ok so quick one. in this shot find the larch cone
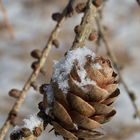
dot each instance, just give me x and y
(85, 88)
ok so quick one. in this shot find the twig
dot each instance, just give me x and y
(15, 109)
(85, 27)
(6, 20)
(115, 64)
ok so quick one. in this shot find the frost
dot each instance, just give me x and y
(16, 129)
(63, 67)
(76, 126)
(84, 79)
(47, 110)
(50, 97)
(31, 123)
(97, 66)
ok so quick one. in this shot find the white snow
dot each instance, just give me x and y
(16, 129)
(50, 95)
(64, 66)
(76, 126)
(84, 79)
(97, 66)
(47, 110)
(50, 98)
(31, 123)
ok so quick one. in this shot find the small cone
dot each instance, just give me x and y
(84, 88)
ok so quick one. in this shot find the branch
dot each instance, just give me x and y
(86, 26)
(6, 20)
(116, 66)
(15, 109)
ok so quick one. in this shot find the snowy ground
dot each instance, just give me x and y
(32, 24)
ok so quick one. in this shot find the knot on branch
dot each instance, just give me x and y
(12, 116)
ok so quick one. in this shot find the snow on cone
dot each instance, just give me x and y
(84, 88)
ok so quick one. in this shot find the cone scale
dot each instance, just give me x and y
(84, 88)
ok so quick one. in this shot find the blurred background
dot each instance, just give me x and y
(32, 24)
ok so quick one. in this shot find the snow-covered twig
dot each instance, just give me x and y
(31, 128)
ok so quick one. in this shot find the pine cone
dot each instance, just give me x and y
(85, 87)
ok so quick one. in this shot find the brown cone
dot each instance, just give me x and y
(83, 109)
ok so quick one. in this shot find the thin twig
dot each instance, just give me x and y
(116, 66)
(85, 26)
(6, 20)
(15, 109)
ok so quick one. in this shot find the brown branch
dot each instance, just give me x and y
(15, 109)
(116, 66)
(6, 20)
(86, 26)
